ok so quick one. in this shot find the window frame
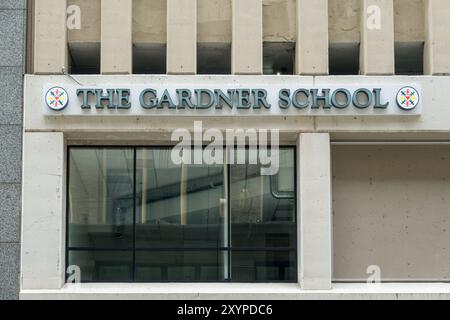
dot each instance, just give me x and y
(290, 250)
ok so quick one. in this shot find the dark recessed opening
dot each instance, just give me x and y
(344, 58)
(214, 58)
(278, 58)
(84, 58)
(409, 58)
(149, 58)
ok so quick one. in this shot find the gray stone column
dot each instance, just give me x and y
(314, 210)
(437, 36)
(116, 37)
(181, 36)
(247, 30)
(377, 37)
(311, 54)
(50, 36)
(12, 61)
(44, 211)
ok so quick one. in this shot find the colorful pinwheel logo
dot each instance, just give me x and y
(57, 98)
(408, 98)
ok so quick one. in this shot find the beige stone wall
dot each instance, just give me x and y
(149, 21)
(391, 209)
(344, 21)
(279, 21)
(214, 21)
(409, 20)
(90, 22)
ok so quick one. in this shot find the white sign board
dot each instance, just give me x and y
(231, 99)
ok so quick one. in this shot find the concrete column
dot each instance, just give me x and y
(377, 37)
(247, 34)
(437, 36)
(181, 36)
(315, 208)
(311, 53)
(116, 37)
(50, 36)
(43, 211)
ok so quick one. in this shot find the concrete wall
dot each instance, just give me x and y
(149, 21)
(391, 209)
(90, 22)
(344, 21)
(409, 20)
(12, 59)
(279, 21)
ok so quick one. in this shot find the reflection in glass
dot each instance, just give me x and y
(134, 215)
(253, 266)
(201, 265)
(105, 266)
(263, 207)
(178, 206)
(101, 198)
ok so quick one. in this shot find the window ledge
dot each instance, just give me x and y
(237, 291)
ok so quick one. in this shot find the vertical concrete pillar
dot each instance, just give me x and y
(181, 36)
(311, 53)
(437, 36)
(314, 208)
(43, 178)
(50, 36)
(377, 37)
(247, 34)
(116, 37)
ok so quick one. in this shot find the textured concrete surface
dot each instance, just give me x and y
(391, 210)
(11, 45)
(9, 271)
(12, 57)
(10, 95)
(12, 4)
(10, 212)
(10, 155)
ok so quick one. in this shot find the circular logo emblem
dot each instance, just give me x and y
(408, 98)
(57, 98)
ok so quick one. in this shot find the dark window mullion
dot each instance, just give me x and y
(134, 215)
(229, 214)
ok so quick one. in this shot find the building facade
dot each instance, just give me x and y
(13, 16)
(352, 97)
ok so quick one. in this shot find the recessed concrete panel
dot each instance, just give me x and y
(149, 58)
(89, 15)
(149, 21)
(409, 20)
(409, 58)
(278, 58)
(391, 209)
(344, 58)
(213, 58)
(84, 58)
(344, 21)
(214, 21)
(279, 20)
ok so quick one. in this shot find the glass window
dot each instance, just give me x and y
(134, 215)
